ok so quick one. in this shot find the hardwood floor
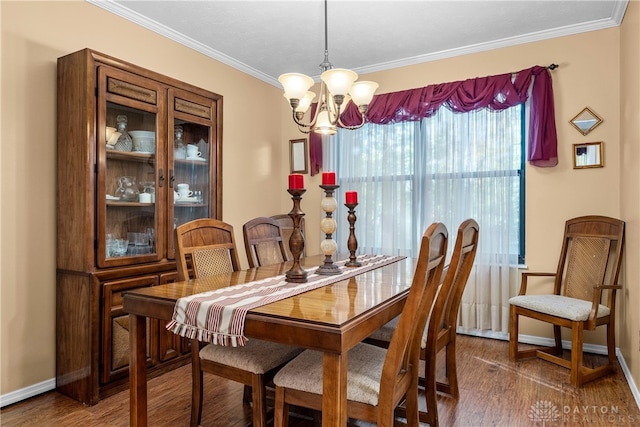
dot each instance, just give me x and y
(493, 392)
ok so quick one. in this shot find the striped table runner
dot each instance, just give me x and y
(218, 316)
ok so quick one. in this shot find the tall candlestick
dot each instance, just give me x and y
(351, 197)
(352, 242)
(296, 181)
(328, 178)
(296, 242)
(328, 225)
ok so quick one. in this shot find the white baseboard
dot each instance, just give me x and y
(547, 342)
(27, 392)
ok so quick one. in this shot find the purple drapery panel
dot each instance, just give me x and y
(315, 147)
(493, 92)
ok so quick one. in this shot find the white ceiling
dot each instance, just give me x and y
(266, 38)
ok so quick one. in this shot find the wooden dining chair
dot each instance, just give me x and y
(440, 332)
(583, 298)
(263, 242)
(286, 227)
(377, 379)
(208, 247)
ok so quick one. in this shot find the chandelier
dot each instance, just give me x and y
(338, 86)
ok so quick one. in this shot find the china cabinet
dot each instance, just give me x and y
(128, 139)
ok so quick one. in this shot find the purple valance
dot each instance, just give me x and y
(493, 92)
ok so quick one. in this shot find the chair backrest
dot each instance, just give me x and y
(286, 227)
(207, 246)
(455, 279)
(591, 256)
(400, 369)
(263, 242)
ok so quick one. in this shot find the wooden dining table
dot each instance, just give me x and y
(331, 319)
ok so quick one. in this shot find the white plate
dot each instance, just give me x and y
(196, 158)
(143, 152)
(187, 200)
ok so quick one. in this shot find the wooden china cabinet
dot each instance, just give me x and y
(117, 207)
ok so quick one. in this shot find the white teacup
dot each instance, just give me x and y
(184, 193)
(192, 151)
(182, 186)
(144, 197)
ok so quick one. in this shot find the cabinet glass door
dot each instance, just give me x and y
(128, 171)
(194, 160)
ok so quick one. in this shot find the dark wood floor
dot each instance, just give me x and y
(493, 392)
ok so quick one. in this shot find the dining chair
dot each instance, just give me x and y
(208, 247)
(583, 298)
(263, 242)
(378, 379)
(286, 226)
(440, 332)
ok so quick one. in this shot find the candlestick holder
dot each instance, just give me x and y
(328, 226)
(296, 242)
(352, 242)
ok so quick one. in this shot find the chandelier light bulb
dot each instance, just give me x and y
(339, 80)
(362, 92)
(305, 102)
(295, 85)
(323, 124)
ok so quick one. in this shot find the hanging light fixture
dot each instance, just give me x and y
(338, 86)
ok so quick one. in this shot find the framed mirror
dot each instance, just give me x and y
(298, 155)
(588, 155)
(586, 121)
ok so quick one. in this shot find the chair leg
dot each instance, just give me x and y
(411, 406)
(246, 395)
(281, 409)
(450, 366)
(259, 401)
(557, 335)
(577, 371)
(513, 334)
(196, 384)
(431, 415)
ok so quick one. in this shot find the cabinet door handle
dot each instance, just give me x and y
(171, 178)
(161, 177)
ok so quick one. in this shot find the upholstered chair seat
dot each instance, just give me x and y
(256, 356)
(559, 306)
(363, 373)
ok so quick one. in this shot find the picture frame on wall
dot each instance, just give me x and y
(588, 155)
(299, 155)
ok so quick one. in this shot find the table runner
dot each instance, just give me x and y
(218, 316)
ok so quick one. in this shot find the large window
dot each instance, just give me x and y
(446, 168)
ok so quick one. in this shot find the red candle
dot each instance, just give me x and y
(328, 178)
(296, 181)
(352, 197)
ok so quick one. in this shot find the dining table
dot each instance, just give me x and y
(331, 319)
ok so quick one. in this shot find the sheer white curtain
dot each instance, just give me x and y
(446, 168)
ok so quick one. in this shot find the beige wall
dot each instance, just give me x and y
(630, 183)
(256, 152)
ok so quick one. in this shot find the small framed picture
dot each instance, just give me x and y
(588, 155)
(298, 155)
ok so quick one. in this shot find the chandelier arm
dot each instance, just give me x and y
(342, 125)
(309, 125)
(306, 130)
